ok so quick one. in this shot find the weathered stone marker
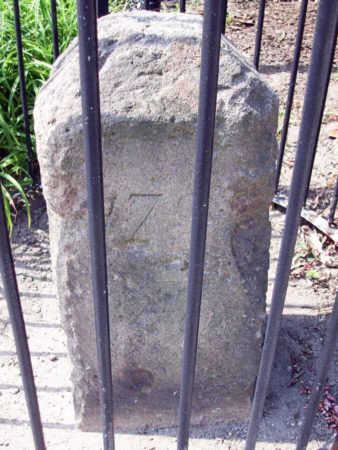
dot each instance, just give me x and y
(149, 75)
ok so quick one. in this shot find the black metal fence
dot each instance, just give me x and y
(323, 49)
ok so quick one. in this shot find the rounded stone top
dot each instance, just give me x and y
(149, 66)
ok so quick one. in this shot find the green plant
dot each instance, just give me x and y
(119, 5)
(230, 19)
(37, 44)
(312, 274)
(35, 18)
(11, 187)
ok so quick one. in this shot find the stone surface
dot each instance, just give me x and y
(149, 74)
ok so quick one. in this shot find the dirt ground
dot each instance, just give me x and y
(309, 300)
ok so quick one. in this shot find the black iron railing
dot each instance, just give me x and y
(215, 12)
(23, 90)
(211, 41)
(86, 13)
(315, 92)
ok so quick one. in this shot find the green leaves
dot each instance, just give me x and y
(7, 184)
(37, 45)
(312, 274)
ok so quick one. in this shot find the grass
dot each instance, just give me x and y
(37, 43)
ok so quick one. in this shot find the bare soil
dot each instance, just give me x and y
(309, 299)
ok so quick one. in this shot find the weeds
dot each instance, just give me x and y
(37, 44)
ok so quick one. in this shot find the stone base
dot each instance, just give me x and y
(137, 413)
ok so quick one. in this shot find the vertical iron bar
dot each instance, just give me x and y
(259, 33)
(320, 119)
(146, 5)
(153, 5)
(224, 15)
(203, 163)
(315, 91)
(23, 90)
(334, 203)
(292, 85)
(11, 294)
(327, 354)
(102, 7)
(88, 48)
(55, 32)
(182, 6)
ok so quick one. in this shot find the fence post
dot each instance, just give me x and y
(152, 5)
(102, 7)
(259, 33)
(320, 119)
(23, 91)
(334, 203)
(55, 32)
(204, 143)
(11, 294)
(292, 86)
(182, 6)
(327, 354)
(315, 92)
(224, 15)
(88, 48)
